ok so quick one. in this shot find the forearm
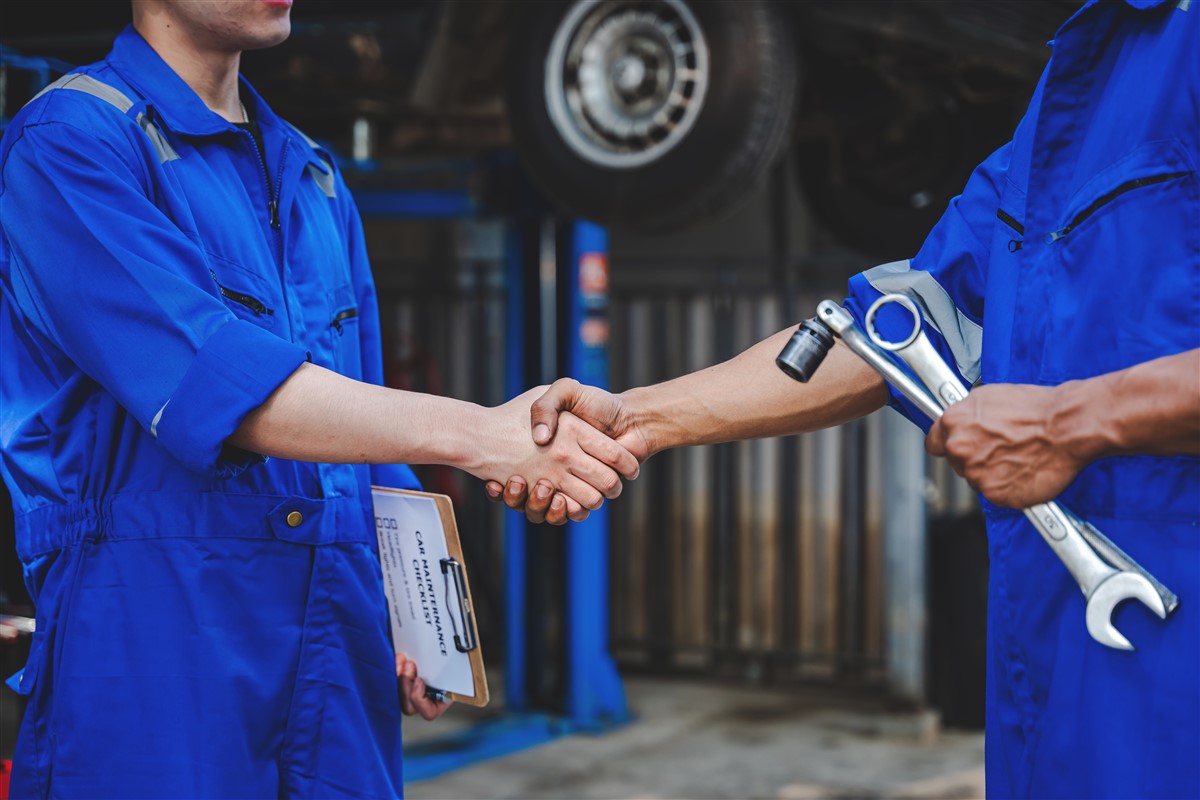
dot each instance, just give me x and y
(1151, 408)
(749, 397)
(319, 415)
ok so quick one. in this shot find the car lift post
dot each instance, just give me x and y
(541, 317)
(595, 697)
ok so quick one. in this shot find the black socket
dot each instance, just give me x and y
(806, 350)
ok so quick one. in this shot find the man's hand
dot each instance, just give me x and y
(412, 691)
(1006, 440)
(560, 405)
(579, 464)
(602, 410)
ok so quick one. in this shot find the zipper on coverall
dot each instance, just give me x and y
(1104, 200)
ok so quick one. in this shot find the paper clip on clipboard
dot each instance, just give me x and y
(452, 572)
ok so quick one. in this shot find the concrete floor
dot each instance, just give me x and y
(707, 740)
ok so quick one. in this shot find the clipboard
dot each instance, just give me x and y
(428, 596)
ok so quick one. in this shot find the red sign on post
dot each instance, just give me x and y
(593, 274)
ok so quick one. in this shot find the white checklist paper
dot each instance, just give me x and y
(422, 604)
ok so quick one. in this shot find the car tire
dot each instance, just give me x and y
(893, 154)
(579, 113)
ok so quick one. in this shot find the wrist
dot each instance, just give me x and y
(463, 437)
(1081, 422)
(658, 430)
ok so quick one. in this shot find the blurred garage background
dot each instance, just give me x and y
(625, 191)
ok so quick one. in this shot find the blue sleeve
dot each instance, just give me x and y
(946, 279)
(396, 476)
(129, 299)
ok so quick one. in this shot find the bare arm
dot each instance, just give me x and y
(743, 398)
(319, 415)
(1021, 445)
(1151, 408)
(747, 397)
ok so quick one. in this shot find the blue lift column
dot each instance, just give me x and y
(595, 698)
(557, 324)
(514, 523)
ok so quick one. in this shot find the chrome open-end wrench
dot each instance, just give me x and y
(800, 361)
(1103, 584)
(839, 321)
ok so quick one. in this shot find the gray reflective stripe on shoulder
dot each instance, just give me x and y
(161, 146)
(157, 417)
(324, 179)
(114, 97)
(962, 334)
(89, 85)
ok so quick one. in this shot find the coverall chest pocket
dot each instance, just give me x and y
(248, 295)
(1125, 262)
(344, 332)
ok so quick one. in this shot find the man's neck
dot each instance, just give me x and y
(212, 74)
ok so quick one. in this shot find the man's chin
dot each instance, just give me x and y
(261, 41)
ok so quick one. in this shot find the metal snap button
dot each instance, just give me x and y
(294, 519)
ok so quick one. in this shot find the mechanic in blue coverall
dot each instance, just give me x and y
(185, 293)
(1066, 280)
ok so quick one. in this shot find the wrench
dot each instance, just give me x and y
(1103, 585)
(839, 321)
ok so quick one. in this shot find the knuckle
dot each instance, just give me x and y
(957, 448)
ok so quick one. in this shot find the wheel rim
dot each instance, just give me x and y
(625, 80)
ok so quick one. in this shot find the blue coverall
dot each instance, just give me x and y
(1074, 251)
(210, 623)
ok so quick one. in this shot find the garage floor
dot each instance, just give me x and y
(707, 740)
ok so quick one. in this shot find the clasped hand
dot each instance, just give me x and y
(1001, 440)
(573, 471)
(576, 411)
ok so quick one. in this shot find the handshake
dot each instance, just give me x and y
(573, 445)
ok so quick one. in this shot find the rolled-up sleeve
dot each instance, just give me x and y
(946, 280)
(129, 298)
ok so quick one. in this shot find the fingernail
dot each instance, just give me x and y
(543, 491)
(541, 434)
(516, 486)
(558, 503)
(410, 670)
(491, 491)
